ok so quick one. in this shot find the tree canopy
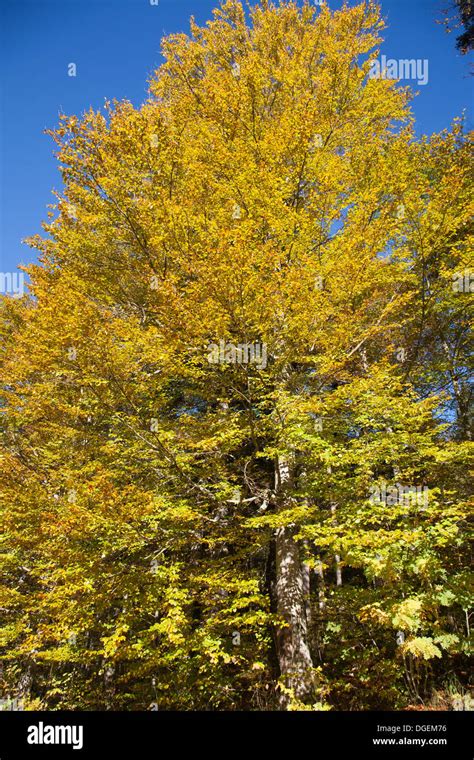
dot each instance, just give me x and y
(235, 404)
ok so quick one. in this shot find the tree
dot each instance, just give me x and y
(464, 16)
(228, 480)
(465, 41)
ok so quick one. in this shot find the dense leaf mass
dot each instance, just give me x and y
(235, 404)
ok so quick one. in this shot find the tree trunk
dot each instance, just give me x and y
(294, 656)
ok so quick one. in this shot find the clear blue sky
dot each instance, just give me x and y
(115, 45)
